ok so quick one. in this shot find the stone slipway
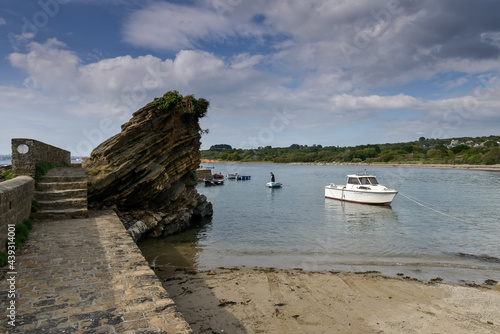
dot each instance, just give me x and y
(87, 276)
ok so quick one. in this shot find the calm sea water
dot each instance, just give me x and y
(444, 223)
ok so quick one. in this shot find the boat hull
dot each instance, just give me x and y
(213, 182)
(383, 197)
(273, 185)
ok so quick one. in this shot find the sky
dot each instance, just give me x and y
(276, 72)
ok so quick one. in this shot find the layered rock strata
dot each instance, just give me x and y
(147, 172)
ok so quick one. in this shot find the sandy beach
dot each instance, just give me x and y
(246, 300)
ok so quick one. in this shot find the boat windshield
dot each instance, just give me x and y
(353, 180)
(373, 180)
(364, 180)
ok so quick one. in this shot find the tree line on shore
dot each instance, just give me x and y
(465, 150)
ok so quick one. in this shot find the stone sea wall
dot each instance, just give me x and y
(26, 153)
(15, 203)
(203, 173)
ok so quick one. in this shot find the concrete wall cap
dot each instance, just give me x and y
(8, 185)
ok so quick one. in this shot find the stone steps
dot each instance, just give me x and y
(63, 204)
(54, 195)
(62, 214)
(64, 178)
(44, 186)
(62, 194)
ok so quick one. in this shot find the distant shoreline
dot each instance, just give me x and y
(434, 166)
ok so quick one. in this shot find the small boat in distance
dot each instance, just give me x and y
(273, 185)
(217, 180)
(243, 177)
(231, 176)
(361, 188)
(213, 182)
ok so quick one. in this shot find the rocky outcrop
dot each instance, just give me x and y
(147, 172)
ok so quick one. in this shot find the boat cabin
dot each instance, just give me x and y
(367, 180)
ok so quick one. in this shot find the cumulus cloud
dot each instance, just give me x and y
(381, 42)
(57, 71)
(174, 27)
(369, 43)
(116, 87)
(50, 66)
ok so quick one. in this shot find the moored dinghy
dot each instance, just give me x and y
(361, 188)
(273, 185)
(217, 180)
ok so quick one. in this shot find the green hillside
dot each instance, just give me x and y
(465, 150)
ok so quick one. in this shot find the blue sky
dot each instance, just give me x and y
(275, 72)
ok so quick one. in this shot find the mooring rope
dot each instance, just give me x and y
(428, 207)
(418, 200)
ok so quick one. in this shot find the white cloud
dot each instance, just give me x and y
(50, 66)
(116, 87)
(390, 42)
(450, 84)
(491, 37)
(2, 21)
(245, 60)
(174, 27)
(346, 102)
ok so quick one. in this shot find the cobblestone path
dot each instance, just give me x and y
(86, 276)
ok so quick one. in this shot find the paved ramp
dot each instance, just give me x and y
(86, 276)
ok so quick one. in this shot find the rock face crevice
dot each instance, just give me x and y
(147, 171)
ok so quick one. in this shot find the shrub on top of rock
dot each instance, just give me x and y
(168, 101)
(189, 104)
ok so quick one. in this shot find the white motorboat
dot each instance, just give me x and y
(361, 188)
(273, 185)
(231, 176)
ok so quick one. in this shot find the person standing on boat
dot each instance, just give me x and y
(272, 177)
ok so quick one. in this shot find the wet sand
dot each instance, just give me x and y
(246, 300)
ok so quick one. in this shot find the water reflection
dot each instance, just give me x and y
(271, 192)
(360, 218)
(175, 251)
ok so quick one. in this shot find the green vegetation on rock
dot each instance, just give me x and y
(7, 175)
(34, 206)
(189, 104)
(22, 232)
(168, 101)
(197, 107)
